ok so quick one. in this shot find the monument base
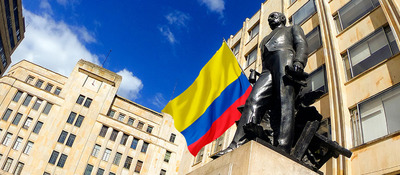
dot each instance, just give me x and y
(253, 158)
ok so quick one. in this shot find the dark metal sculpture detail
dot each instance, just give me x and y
(274, 110)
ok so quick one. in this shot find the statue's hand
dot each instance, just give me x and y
(298, 67)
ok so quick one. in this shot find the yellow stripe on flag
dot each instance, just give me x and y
(216, 75)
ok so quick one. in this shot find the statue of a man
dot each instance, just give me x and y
(284, 48)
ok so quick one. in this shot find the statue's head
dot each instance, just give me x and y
(276, 19)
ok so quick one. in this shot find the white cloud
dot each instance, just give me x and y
(52, 44)
(45, 5)
(176, 21)
(214, 5)
(159, 100)
(58, 47)
(84, 34)
(166, 31)
(177, 18)
(130, 85)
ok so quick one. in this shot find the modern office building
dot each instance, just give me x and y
(12, 29)
(354, 58)
(53, 124)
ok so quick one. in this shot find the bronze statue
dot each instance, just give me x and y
(283, 50)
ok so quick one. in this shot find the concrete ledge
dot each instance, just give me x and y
(253, 158)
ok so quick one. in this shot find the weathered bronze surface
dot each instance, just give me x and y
(274, 110)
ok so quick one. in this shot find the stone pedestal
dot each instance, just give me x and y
(253, 158)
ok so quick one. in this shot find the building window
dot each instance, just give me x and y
(124, 139)
(70, 140)
(17, 118)
(19, 168)
(251, 57)
(53, 157)
(377, 116)
(314, 40)
(48, 87)
(316, 81)
(144, 147)
(37, 104)
(39, 83)
(111, 113)
(167, 156)
(130, 121)
(353, 11)
(37, 128)
(172, 137)
(47, 108)
(27, 123)
(199, 156)
(96, 150)
(17, 96)
(17, 143)
(236, 49)
(88, 169)
(80, 99)
(7, 114)
(219, 143)
(117, 158)
(370, 51)
(62, 160)
(29, 79)
(28, 147)
(254, 31)
(7, 164)
(100, 171)
(57, 91)
(163, 172)
(27, 100)
(106, 155)
(149, 129)
(71, 118)
(140, 125)
(138, 167)
(7, 139)
(79, 121)
(114, 135)
(128, 162)
(304, 13)
(103, 131)
(62, 137)
(121, 117)
(111, 173)
(46, 173)
(134, 143)
(88, 102)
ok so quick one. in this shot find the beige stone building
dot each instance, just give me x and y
(354, 58)
(12, 29)
(52, 124)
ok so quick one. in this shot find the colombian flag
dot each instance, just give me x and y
(205, 110)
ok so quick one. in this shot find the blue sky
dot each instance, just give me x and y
(157, 46)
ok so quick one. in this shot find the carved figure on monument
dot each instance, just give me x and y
(272, 106)
(284, 48)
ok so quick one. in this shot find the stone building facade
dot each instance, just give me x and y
(53, 124)
(12, 29)
(354, 58)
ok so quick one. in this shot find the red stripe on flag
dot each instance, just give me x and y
(225, 121)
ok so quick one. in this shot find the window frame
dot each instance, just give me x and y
(37, 127)
(17, 96)
(292, 19)
(347, 57)
(53, 157)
